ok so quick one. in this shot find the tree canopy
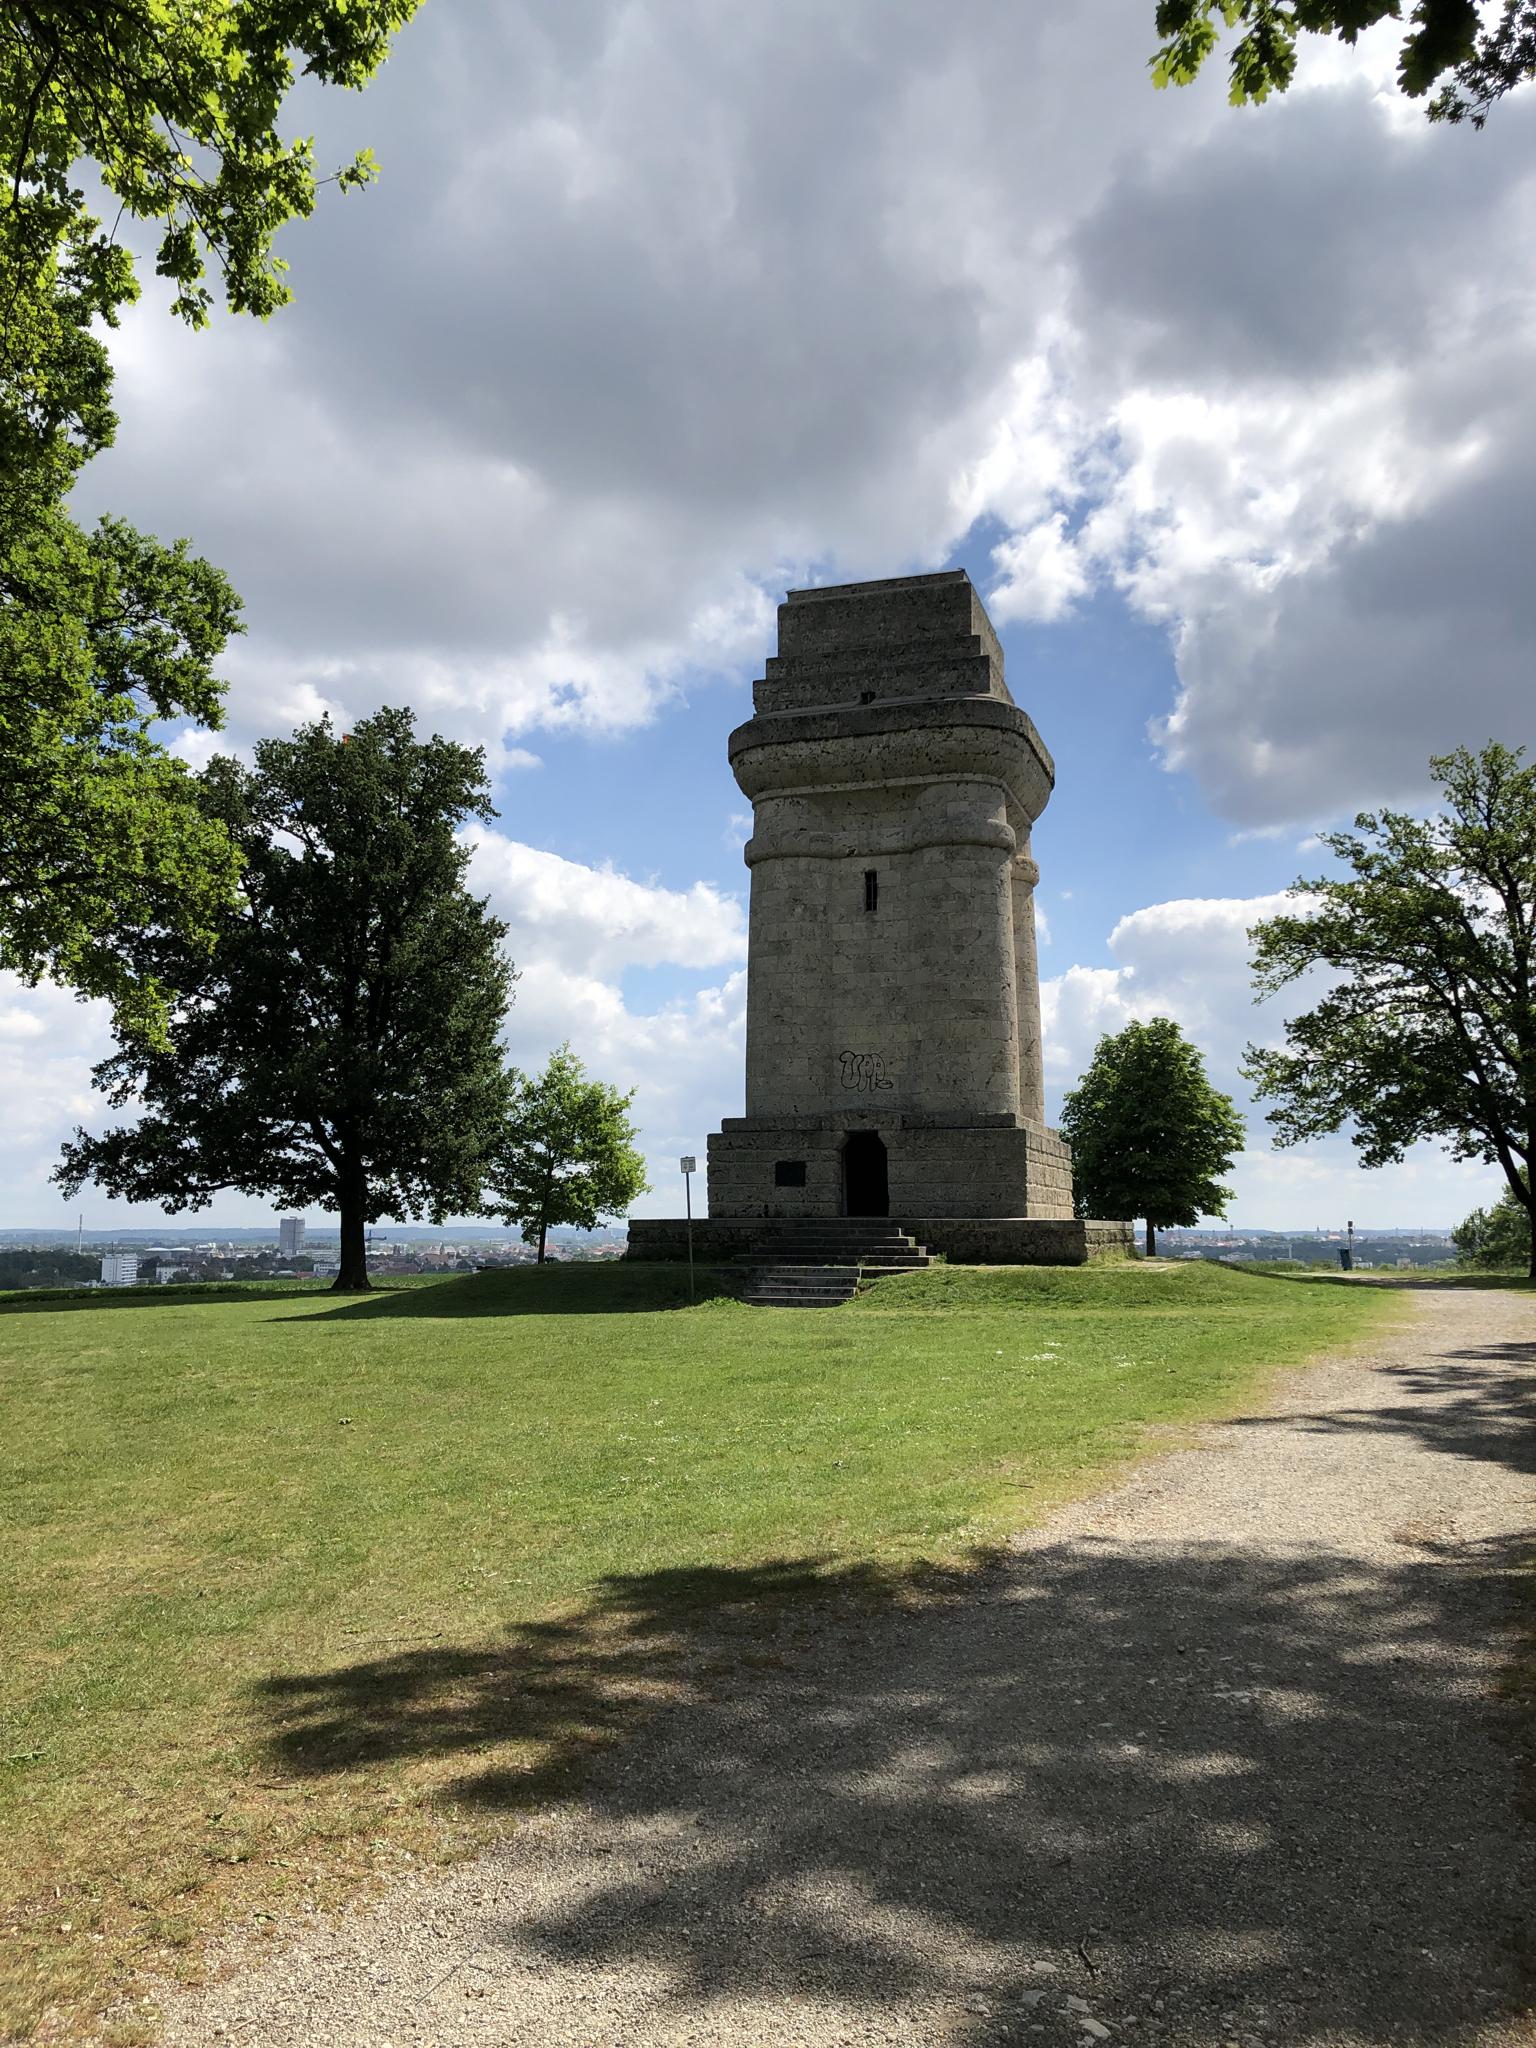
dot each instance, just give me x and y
(1149, 1134)
(1445, 44)
(101, 832)
(1428, 1025)
(565, 1154)
(340, 1045)
(174, 105)
(1498, 1238)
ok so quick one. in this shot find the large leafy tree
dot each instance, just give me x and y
(1446, 43)
(566, 1153)
(1428, 1029)
(174, 105)
(340, 1045)
(1149, 1134)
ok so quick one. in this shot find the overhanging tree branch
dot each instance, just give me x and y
(1417, 905)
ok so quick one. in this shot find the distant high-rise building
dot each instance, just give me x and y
(119, 1269)
(290, 1236)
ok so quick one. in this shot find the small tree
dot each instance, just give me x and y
(566, 1153)
(1429, 1027)
(340, 1045)
(1497, 1238)
(1149, 1134)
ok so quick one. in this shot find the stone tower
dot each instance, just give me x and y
(893, 1002)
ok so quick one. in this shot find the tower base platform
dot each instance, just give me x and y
(966, 1240)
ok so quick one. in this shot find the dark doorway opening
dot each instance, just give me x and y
(866, 1191)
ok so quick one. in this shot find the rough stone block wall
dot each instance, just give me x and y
(912, 1001)
(666, 1237)
(1022, 1240)
(979, 1171)
(998, 1169)
(741, 1161)
(886, 627)
(1050, 1173)
(965, 1240)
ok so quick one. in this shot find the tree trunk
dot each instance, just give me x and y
(1151, 1239)
(543, 1233)
(353, 1276)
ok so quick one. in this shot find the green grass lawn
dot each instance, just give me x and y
(1396, 1276)
(296, 1585)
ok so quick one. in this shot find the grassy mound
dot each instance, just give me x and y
(299, 1583)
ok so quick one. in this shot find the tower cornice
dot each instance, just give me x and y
(921, 739)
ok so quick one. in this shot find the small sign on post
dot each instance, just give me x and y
(690, 1167)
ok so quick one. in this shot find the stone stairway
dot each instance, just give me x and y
(818, 1262)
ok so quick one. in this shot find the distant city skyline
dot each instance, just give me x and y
(321, 1229)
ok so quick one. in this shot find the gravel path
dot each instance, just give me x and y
(1211, 1758)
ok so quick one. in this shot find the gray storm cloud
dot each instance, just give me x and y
(663, 306)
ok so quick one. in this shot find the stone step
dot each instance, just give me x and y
(863, 1224)
(912, 1256)
(812, 1268)
(847, 1226)
(833, 1290)
(782, 1283)
(781, 1298)
(855, 1248)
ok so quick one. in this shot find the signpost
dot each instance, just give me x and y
(690, 1167)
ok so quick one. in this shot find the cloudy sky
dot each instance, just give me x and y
(662, 307)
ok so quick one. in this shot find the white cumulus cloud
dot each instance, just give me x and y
(573, 932)
(565, 911)
(1189, 959)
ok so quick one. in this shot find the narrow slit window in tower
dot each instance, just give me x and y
(871, 889)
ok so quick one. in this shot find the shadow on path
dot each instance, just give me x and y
(1264, 1789)
(1477, 1403)
(1233, 1790)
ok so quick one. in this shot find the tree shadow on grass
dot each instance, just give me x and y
(577, 1288)
(1410, 1283)
(580, 1288)
(1255, 1785)
(209, 1294)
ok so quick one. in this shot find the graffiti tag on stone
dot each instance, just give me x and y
(865, 1070)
